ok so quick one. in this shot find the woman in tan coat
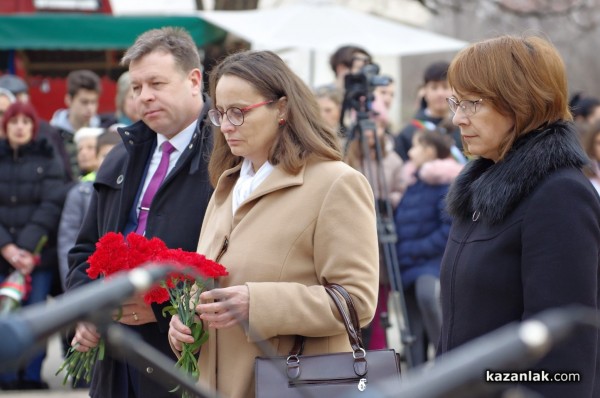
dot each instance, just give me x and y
(287, 217)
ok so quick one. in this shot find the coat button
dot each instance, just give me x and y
(130, 142)
(149, 369)
(126, 133)
(13, 199)
(120, 179)
(40, 170)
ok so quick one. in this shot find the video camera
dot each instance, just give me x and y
(363, 83)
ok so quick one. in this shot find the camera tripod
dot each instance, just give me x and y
(386, 230)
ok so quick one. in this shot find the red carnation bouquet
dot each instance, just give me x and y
(182, 288)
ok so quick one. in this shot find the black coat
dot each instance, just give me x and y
(525, 238)
(176, 217)
(31, 198)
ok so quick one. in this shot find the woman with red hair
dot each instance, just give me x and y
(31, 177)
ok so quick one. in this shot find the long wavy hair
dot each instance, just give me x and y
(304, 133)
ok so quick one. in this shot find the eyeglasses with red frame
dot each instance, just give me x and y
(234, 114)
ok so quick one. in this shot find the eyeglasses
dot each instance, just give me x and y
(468, 107)
(234, 115)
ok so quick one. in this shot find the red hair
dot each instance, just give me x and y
(21, 108)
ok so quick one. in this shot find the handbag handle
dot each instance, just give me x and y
(351, 323)
(350, 304)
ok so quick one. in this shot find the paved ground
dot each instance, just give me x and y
(51, 364)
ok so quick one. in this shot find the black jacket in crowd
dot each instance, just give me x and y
(175, 217)
(525, 238)
(31, 199)
(403, 140)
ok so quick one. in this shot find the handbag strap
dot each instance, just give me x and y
(350, 304)
(350, 319)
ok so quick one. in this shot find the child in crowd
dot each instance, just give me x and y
(422, 226)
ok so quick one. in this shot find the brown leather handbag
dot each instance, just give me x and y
(327, 375)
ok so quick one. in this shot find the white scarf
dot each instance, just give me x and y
(248, 182)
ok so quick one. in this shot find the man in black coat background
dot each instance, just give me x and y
(164, 65)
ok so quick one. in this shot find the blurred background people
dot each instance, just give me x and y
(16, 86)
(19, 88)
(348, 59)
(6, 99)
(330, 100)
(125, 113)
(434, 111)
(386, 93)
(585, 110)
(525, 233)
(591, 145)
(93, 144)
(384, 172)
(422, 226)
(78, 197)
(87, 155)
(31, 177)
(81, 99)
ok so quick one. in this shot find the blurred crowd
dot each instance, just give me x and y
(47, 169)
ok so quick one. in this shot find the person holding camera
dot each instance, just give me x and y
(349, 59)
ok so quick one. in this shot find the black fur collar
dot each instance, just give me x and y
(495, 189)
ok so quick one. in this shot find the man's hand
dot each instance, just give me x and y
(86, 337)
(136, 312)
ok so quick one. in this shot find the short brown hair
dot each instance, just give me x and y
(304, 132)
(344, 56)
(82, 79)
(521, 77)
(175, 41)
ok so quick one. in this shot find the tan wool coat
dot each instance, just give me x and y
(292, 235)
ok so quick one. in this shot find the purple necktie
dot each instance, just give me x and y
(157, 179)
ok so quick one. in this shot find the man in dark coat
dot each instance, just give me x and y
(167, 86)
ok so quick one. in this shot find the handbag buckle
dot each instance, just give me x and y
(293, 366)
(356, 354)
